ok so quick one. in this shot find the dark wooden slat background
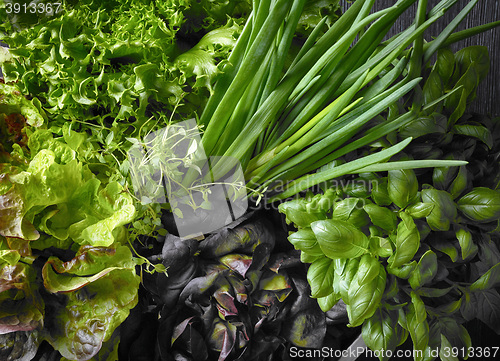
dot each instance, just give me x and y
(488, 94)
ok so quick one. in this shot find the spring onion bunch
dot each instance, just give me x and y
(284, 122)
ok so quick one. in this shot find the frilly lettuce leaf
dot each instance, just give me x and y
(12, 101)
(314, 12)
(207, 14)
(90, 61)
(200, 60)
(92, 216)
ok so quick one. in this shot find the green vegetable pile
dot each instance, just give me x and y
(396, 200)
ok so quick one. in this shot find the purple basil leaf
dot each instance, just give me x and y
(239, 263)
(198, 286)
(222, 338)
(306, 329)
(177, 252)
(242, 239)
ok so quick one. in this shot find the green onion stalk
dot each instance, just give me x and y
(284, 123)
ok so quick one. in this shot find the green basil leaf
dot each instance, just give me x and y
(445, 64)
(340, 265)
(442, 177)
(392, 288)
(477, 131)
(456, 103)
(418, 327)
(489, 252)
(305, 240)
(425, 271)
(346, 278)
(449, 308)
(402, 186)
(368, 269)
(297, 212)
(340, 239)
(380, 246)
(446, 246)
(308, 258)
(381, 217)
(445, 353)
(320, 277)
(327, 302)
(481, 205)
(456, 335)
(435, 123)
(488, 280)
(407, 242)
(460, 182)
(349, 209)
(433, 292)
(444, 211)
(380, 194)
(358, 189)
(469, 248)
(404, 271)
(420, 210)
(471, 66)
(433, 87)
(476, 56)
(380, 331)
(434, 340)
(365, 298)
(484, 305)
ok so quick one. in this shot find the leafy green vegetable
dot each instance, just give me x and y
(380, 332)
(407, 241)
(305, 240)
(425, 271)
(444, 211)
(417, 325)
(339, 239)
(402, 186)
(364, 298)
(21, 304)
(320, 276)
(481, 204)
(381, 216)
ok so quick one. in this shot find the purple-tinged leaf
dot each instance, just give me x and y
(237, 262)
(12, 221)
(306, 329)
(222, 338)
(225, 301)
(242, 239)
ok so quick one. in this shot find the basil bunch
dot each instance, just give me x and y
(414, 252)
(391, 252)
